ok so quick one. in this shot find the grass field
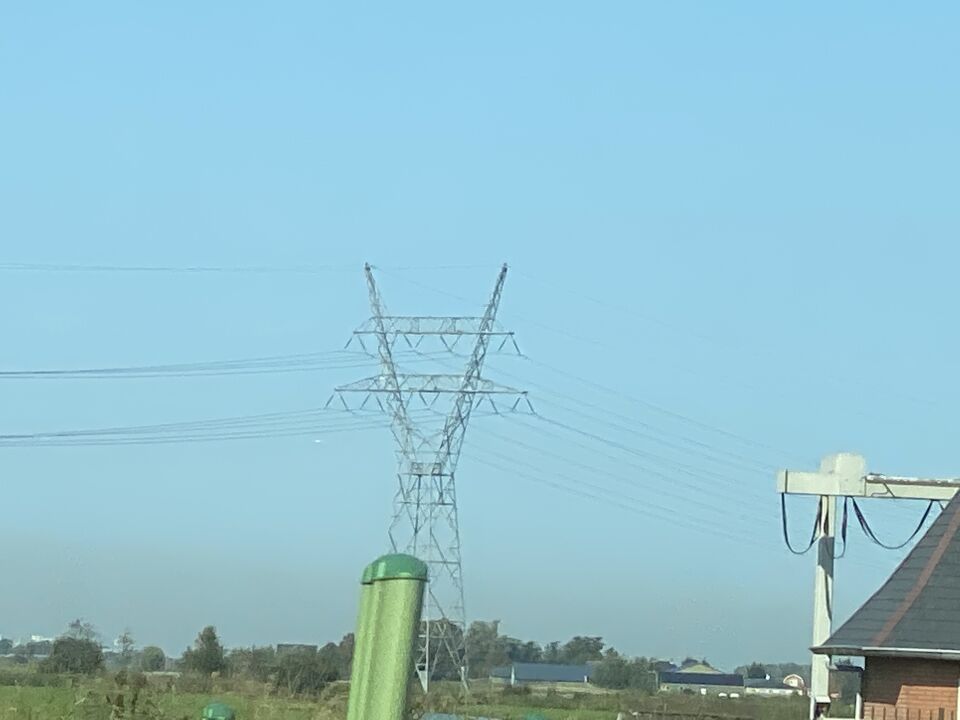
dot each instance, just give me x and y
(98, 700)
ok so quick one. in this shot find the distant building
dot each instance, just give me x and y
(542, 674)
(768, 687)
(701, 683)
(699, 668)
(796, 682)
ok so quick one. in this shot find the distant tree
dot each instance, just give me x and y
(347, 646)
(618, 673)
(582, 649)
(756, 671)
(521, 652)
(206, 656)
(258, 663)
(126, 645)
(643, 675)
(552, 653)
(331, 663)
(444, 632)
(305, 672)
(612, 672)
(152, 659)
(73, 655)
(31, 649)
(6, 646)
(483, 647)
(80, 630)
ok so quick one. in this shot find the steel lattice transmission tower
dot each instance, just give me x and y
(429, 417)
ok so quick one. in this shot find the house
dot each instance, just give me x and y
(908, 632)
(698, 667)
(701, 683)
(768, 687)
(542, 673)
(796, 682)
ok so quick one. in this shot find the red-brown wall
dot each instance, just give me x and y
(910, 689)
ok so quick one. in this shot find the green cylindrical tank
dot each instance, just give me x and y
(391, 598)
(360, 668)
(218, 711)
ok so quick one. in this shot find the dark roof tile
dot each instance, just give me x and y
(685, 678)
(918, 607)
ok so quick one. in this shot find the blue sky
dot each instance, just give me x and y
(744, 215)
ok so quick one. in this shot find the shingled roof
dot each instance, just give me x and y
(916, 612)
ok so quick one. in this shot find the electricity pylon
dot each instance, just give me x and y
(425, 522)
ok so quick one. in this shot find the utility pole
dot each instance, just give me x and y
(845, 475)
(823, 599)
(428, 443)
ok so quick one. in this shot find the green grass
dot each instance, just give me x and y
(88, 700)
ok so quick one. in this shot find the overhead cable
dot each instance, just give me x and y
(585, 489)
(280, 424)
(700, 486)
(786, 534)
(868, 531)
(300, 362)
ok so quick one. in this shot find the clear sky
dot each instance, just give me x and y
(744, 214)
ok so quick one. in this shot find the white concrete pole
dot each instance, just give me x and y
(823, 605)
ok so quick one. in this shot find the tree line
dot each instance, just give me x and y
(305, 669)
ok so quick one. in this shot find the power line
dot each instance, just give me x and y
(690, 470)
(307, 269)
(300, 362)
(184, 269)
(660, 490)
(630, 424)
(764, 354)
(626, 502)
(761, 467)
(704, 487)
(661, 410)
(617, 392)
(277, 424)
(868, 531)
(786, 532)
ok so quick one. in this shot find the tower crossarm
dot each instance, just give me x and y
(430, 325)
(427, 384)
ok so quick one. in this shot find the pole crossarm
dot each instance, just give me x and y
(849, 479)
